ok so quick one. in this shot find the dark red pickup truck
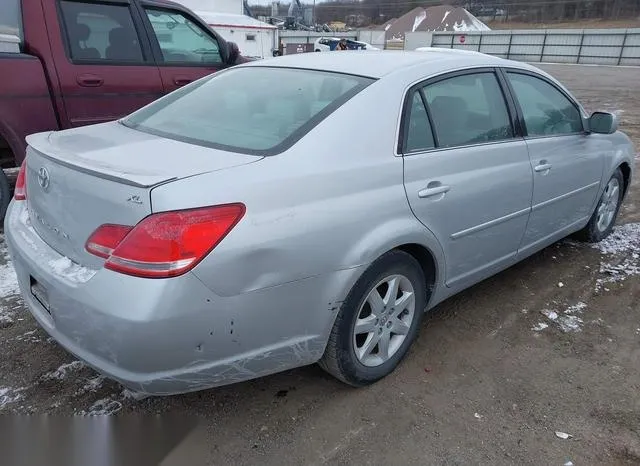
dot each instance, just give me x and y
(68, 63)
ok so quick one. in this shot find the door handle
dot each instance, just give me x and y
(181, 81)
(434, 188)
(89, 80)
(543, 166)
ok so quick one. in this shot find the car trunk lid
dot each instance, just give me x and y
(80, 179)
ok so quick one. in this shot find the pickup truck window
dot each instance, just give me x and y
(98, 31)
(10, 18)
(181, 40)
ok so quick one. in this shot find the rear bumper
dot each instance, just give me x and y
(172, 336)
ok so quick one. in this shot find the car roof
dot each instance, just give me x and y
(376, 64)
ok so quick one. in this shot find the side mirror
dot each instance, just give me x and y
(233, 52)
(603, 123)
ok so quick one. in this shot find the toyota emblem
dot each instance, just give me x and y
(43, 178)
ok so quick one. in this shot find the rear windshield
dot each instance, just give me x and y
(10, 18)
(253, 110)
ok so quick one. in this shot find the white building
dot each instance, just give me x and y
(254, 38)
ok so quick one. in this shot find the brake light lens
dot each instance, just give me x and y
(104, 240)
(165, 244)
(20, 191)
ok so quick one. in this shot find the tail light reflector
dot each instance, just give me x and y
(165, 244)
(20, 191)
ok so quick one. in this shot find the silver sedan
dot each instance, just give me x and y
(303, 209)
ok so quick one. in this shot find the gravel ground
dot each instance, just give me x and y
(499, 372)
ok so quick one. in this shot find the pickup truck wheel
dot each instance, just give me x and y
(378, 321)
(5, 194)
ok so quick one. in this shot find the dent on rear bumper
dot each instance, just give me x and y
(171, 336)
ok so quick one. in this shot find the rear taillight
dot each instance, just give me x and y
(165, 244)
(104, 240)
(20, 191)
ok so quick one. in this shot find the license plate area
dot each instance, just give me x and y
(39, 292)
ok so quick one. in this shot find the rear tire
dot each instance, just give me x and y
(604, 217)
(363, 354)
(5, 194)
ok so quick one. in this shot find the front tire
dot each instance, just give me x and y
(378, 321)
(604, 217)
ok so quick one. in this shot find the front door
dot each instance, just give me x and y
(467, 176)
(567, 163)
(103, 60)
(185, 48)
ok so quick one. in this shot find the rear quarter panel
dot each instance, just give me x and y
(334, 201)
(25, 101)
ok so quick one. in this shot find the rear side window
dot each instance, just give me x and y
(254, 110)
(468, 109)
(546, 110)
(419, 135)
(98, 31)
(10, 17)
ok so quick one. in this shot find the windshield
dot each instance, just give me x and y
(10, 18)
(253, 110)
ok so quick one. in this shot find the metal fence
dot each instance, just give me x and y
(309, 37)
(580, 46)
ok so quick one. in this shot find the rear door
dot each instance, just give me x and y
(185, 48)
(103, 59)
(467, 172)
(567, 163)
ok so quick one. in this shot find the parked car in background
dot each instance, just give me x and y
(69, 63)
(223, 233)
(326, 44)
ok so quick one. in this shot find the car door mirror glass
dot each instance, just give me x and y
(603, 123)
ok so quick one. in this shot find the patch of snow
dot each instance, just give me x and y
(579, 307)
(560, 285)
(5, 319)
(418, 20)
(622, 239)
(461, 26)
(386, 28)
(91, 385)
(132, 395)
(570, 323)
(103, 407)
(71, 271)
(549, 314)
(9, 395)
(61, 372)
(623, 242)
(29, 337)
(563, 435)
(8, 278)
(567, 322)
(477, 416)
(447, 13)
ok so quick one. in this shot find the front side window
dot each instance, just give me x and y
(10, 17)
(546, 110)
(230, 111)
(98, 31)
(181, 40)
(468, 109)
